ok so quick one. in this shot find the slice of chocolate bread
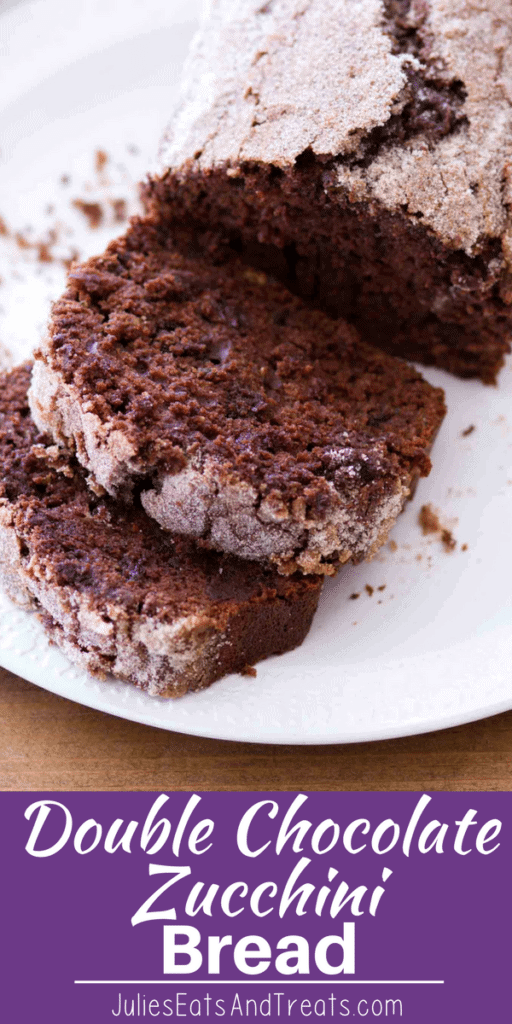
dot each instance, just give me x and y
(243, 418)
(361, 150)
(117, 593)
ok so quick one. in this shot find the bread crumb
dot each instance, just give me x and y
(369, 589)
(249, 670)
(429, 522)
(119, 210)
(92, 211)
(43, 252)
(21, 241)
(469, 430)
(448, 540)
(43, 247)
(393, 546)
(100, 159)
(354, 597)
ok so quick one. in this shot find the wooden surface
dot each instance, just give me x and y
(49, 743)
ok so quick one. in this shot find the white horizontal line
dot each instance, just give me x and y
(247, 981)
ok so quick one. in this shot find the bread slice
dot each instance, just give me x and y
(117, 593)
(363, 150)
(243, 418)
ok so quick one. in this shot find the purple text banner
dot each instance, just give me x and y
(256, 906)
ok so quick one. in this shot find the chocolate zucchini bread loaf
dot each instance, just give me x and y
(361, 151)
(242, 418)
(117, 593)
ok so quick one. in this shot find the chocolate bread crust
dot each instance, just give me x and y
(118, 594)
(243, 418)
(362, 151)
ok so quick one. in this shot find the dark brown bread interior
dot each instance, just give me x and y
(402, 287)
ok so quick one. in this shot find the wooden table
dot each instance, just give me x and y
(50, 743)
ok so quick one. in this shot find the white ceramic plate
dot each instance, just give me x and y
(433, 648)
